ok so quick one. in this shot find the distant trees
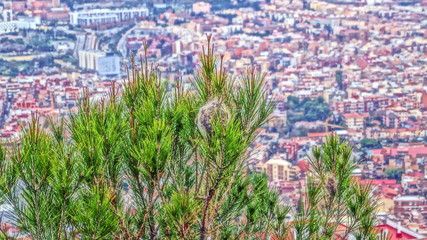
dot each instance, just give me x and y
(227, 16)
(13, 68)
(394, 173)
(8, 69)
(70, 58)
(339, 79)
(370, 143)
(307, 109)
(40, 41)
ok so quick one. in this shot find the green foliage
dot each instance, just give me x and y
(182, 152)
(14, 68)
(394, 173)
(181, 214)
(370, 143)
(95, 218)
(307, 109)
(8, 68)
(334, 198)
(339, 79)
(70, 59)
(30, 194)
(40, 41)
(3, 168)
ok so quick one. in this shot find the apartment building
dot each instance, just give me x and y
(405, 205)
(103, 16)
(279, 169)
(355, 121)
(103, 63)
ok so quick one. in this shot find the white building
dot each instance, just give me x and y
(201, 7)
(100, 16)
(109, 65)
(7, 15)
(7, 27)
(89, 59)
(21, 23)
(103, 63)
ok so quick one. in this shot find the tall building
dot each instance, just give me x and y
(406, 205)
(109, 65)
(7, 15)
(89, 59)
(278, 169)
(103, 63)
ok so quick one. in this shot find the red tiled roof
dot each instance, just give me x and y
(321, 134)
(393, 233)
(379, 181)
(354, 115)
(412, 151)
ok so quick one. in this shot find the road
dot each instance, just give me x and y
(121, 45)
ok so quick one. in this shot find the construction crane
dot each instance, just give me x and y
(327, 125)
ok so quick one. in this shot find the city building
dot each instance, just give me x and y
(405, 205)
(104, 16)
(89, 59)
(278, 169)
(201, 7)
(354, 121)
(9, 25)
(103, 63)
(109, 65)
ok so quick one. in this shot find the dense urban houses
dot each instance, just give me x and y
(355, 69)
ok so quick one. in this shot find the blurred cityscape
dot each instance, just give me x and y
(356, 68)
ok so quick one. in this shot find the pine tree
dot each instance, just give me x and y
(183, 154)
(337, 205)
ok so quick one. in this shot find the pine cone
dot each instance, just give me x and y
(213, 109)
(331, 186)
